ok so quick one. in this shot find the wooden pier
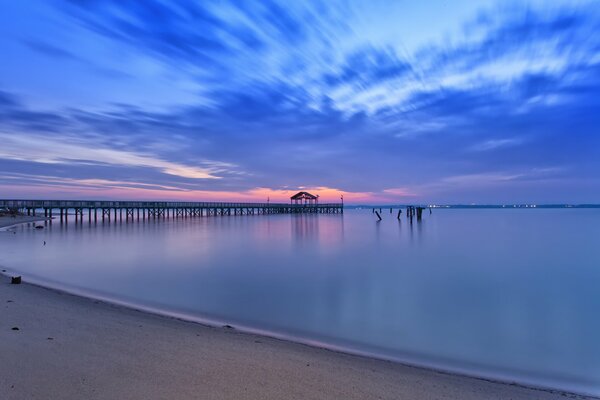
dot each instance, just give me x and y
(411, 211)
(142, 210)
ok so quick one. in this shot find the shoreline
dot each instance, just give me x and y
(294, 339)
(124, 313)
(8, 222)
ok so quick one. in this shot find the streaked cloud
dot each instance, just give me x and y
(253, 99)
(493, 144)
(45, 150)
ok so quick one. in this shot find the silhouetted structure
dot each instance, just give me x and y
(153, 209)
(304, 198)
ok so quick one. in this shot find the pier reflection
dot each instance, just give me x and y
(317, 229)
(305, 228)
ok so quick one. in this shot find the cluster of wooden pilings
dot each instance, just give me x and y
(411, 211)
(127, 210)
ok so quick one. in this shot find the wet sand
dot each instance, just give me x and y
(6, 221)
(71, 347)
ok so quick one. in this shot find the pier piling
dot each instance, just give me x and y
(113, 210)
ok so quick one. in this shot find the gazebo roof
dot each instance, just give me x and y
(303, 195)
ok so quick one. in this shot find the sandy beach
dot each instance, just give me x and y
(71, 347)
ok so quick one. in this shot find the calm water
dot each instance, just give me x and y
(512, 294)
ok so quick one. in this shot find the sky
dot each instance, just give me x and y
(379, 101)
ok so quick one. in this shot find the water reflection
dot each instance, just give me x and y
(502, 292)
(305, 227)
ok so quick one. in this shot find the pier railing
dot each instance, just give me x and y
(105, 209)
(146, 204)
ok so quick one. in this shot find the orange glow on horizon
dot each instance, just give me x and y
(117, 191)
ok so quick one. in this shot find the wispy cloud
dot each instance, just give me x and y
(51, 151)
(481, 179)
(493, 144)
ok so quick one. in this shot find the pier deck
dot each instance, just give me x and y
(107, 210)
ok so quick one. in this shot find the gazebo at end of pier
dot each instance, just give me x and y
(304, 198)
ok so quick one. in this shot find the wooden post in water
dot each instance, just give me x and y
(378, 216)
(399, 212)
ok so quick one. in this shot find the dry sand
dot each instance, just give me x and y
(70, 347)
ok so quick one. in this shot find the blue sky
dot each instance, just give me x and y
(445, 102)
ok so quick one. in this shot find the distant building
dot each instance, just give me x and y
(304, 198)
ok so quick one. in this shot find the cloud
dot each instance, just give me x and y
(185, 31)
(7, 101)
(400, 192)
(48, 49)
(50, 151)
(368, 66)
(493, 144)
(482, 179)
